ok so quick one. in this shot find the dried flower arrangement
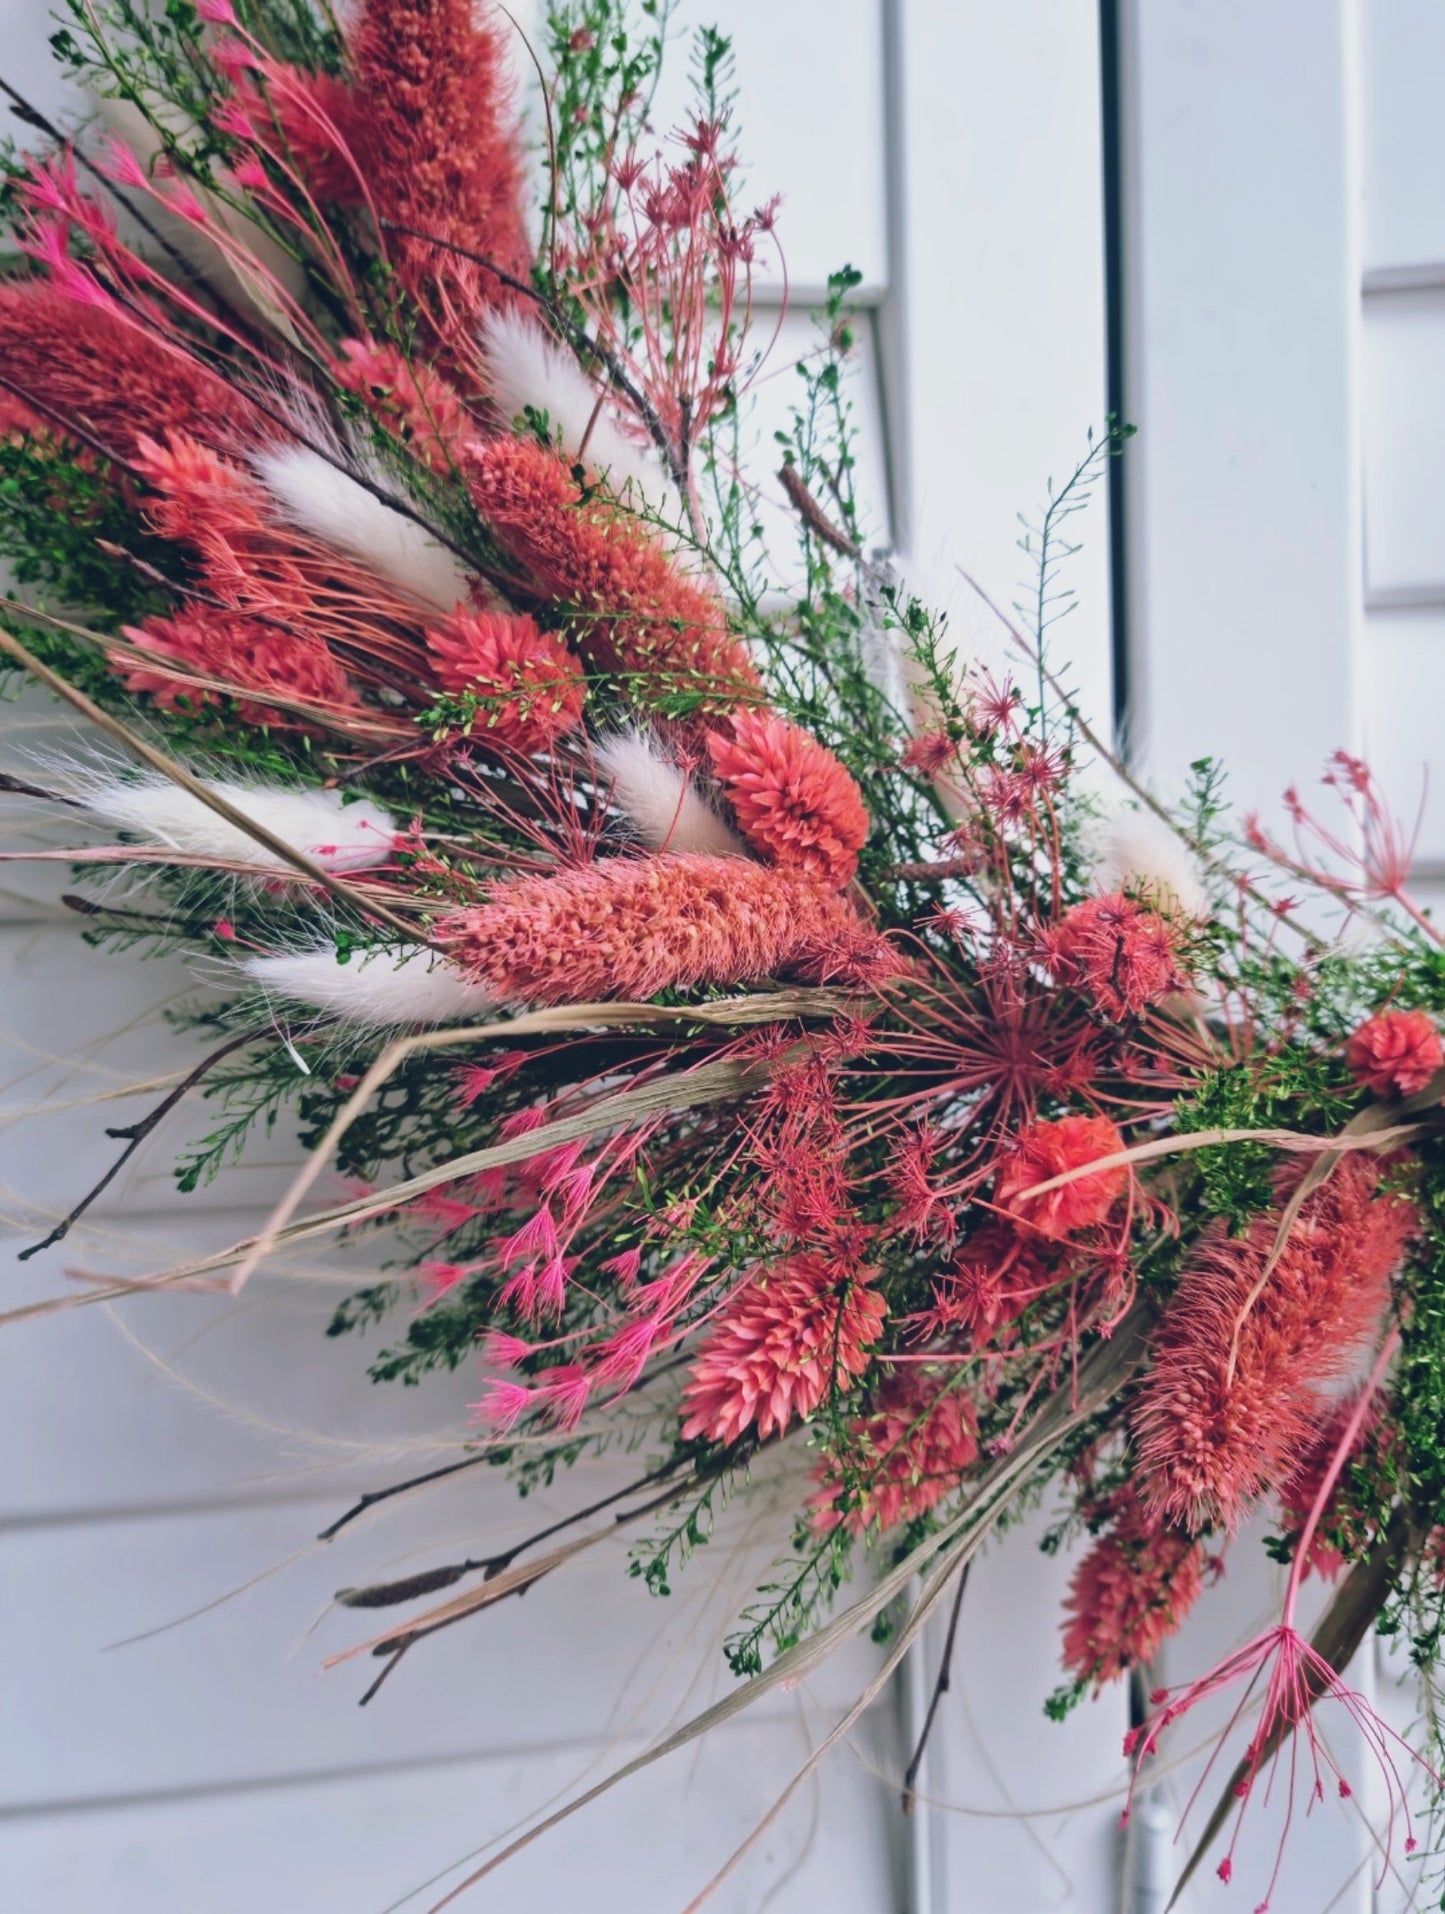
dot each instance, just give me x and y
(745, 1010)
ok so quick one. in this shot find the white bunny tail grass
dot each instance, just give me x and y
(340, 837)
(526, 368)
(660, 800)
(383, 989)
(1138, 851)
(328, 502)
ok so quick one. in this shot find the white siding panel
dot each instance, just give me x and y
(1404, 400)
(1403, 52)
(234, 1695)
(358, 1844)
(1402, 709)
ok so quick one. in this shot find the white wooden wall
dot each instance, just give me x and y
(166, 1465)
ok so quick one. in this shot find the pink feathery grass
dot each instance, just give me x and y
(1116, 951)
(913, 1450)
(112, 379)
(1047, 1150)
(528, 687)
(1129, 1593)
(631, 611)
(793, 800)
(632, 926)
(1395, 1053)
(1242, 1361)
(786, 1340)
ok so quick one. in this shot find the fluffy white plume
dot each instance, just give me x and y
(386, 987)
(661, 800)
(1137, 851)
(340, 837)
(526, 368)
(327, 502)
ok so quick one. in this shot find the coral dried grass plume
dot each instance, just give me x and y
(786, 1340)
(632, 611)
(1129, 1593)
(793, 800)
(1240, 1379)
(632, 926)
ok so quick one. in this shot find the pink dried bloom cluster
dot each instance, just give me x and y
(911, 1452)
(1242, 1359)
(793, 800)
(411, 399)
(786, 1340)
(1116, 951)
(1048, 1150)
(528, 687)
(1395, 1054)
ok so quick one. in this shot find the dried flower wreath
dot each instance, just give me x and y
(747, 1013)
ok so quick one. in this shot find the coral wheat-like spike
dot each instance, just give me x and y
(793, 800)
(785, 1340)
(1129, 1593)
(429, 116)
(1239, 1379)
(632, 926)
(528, 687)
(112, 377)
(632, 610)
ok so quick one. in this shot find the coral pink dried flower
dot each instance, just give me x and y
(1238, 1380)
(1396, 1053)
(631, 926)
(1116, 951)
(410, 398)
(528, 687)
(239, 653)
(66, 357)
(793, 800)
(1130, 1592)
(1046, 1150)
(787, 1338)
(913, 1451)
(633, 612)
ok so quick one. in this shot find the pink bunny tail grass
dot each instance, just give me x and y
(1298, 1679)
(1239, 1379)
(632, 926)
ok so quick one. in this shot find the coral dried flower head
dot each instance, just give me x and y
(793, 800)
(1047, 1150)
(1395, 1053)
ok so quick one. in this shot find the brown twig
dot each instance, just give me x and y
(812, 513)
(940, 1689)
(133, 1135)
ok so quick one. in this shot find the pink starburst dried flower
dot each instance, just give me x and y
(635, 614)
(913, 1451)
(1047, 1150)
(793, 800)
(528, 687)
(1242, 1360)
(1129, 1593)
(1117, 951)
(1395, 1053)
(631, 926)
(785, 1340)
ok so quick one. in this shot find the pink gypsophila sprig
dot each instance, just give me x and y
(787, 1338)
